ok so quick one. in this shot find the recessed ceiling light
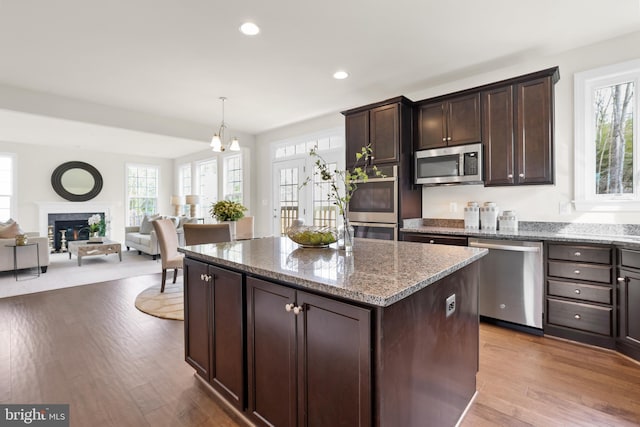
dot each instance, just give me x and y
(249, 29)
(340, 75)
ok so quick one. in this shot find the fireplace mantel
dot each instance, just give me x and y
(46, 208)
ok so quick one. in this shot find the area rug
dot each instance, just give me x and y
(167, 305)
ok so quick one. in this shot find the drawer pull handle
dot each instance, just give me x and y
(432, 241)
(576, 271)
(577, 317)
(577, 253)
(577, 291)
(288, 307)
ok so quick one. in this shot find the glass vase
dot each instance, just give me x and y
(345, 241)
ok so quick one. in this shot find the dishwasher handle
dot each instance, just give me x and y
(505, 247)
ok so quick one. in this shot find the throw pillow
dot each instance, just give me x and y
(187, 220)
(173, 219)
(145, 226)
(10, 230)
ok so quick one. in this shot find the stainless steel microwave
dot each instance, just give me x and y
(459, 164)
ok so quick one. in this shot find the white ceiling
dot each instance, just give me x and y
(159, 66)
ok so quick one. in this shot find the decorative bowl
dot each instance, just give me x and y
(312, 236)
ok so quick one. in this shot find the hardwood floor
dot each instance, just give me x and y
(116, 366)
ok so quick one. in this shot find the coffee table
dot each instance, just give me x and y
(82, 248)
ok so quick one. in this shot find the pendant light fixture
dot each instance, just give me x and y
(217, 142)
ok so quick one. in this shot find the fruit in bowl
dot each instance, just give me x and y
(312, 236)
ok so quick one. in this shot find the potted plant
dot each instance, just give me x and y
(228, 211)
(342, 185)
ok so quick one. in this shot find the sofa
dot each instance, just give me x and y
(143, 238)
(27, 255)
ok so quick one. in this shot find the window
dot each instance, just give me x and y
(7, 184)
(142, 192)
(207, 184)
(184, 177)
(606, 147)
(233, 178)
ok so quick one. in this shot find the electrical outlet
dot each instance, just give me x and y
(453, 207)
(450, 305)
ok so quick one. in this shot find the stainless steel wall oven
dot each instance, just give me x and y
(373, 208)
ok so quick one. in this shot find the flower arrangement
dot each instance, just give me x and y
(96, 223)
(227, 210)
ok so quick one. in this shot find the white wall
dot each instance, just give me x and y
(539, 203)
(36, 163)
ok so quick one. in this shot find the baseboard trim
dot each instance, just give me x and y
(239, 416)
(464, 413)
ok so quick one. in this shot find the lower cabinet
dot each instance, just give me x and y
(214, 328)
(628, 337)
(309, 358)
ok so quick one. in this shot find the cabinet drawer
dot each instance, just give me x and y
(580, 291)
(437, 239)
(579, 253)
(578, 271)
(629, 258)
(575, 315)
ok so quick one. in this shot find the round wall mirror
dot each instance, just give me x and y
(76, 181)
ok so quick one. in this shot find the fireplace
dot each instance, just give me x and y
(71, 211)
(74, 226)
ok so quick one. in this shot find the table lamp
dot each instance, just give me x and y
(192, 201)
(177, 202)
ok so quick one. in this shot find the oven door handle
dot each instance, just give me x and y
(505, 247)
(373, 224)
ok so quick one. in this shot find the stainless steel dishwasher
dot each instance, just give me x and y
(511, 282)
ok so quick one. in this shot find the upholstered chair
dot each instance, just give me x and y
(168, 242)
(199, 234)
(244, 228)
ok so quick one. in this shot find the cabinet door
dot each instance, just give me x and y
(497, 136)
(431, 126)
(463, 120)
(196, 316)
(227, 350)
(534, 132)
(334, 362)
(357, 135)
(385, 134)
(271, 353)
(629, 303)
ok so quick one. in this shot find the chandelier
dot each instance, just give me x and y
(217, 142)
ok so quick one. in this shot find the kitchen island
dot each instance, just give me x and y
(385, 336)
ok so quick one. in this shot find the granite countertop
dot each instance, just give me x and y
(627, 236)
(378, 272)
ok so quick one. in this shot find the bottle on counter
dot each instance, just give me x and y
(472, 216)
(489, 216)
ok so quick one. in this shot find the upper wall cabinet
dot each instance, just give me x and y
(386, 126)
(517, 130)
(451, 121)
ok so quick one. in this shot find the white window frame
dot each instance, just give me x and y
(585, 82)
(202, 210)
(225, 176)
(126, 184)
(14, 185)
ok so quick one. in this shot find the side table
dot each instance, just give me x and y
(15, 257)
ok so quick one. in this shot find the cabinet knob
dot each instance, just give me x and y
(621, 279)
(202, 276)
(288, 307)
(577, 253)
(521, 175)
(444, 139)
(577, 317)
(577, 291)
(576, 271)
(432, 241)
(298, 310)
(449, 138)
(510, 176)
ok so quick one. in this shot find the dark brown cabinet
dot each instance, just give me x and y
(214, 328)
(580, 302)
(517, 131)
(453, 121)
(386, 126)
(628, 336)
(309, 358)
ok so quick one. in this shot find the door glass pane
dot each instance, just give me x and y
(613, 131)
(289, 201)
(325, 212)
